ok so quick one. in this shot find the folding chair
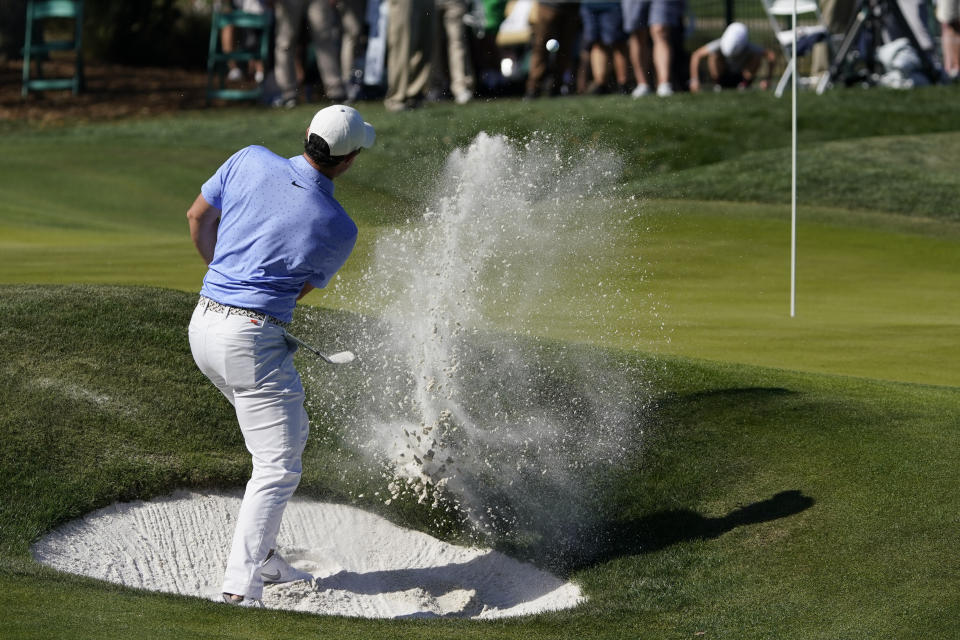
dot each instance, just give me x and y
(37, 49)
(217, 59)
(780, 13)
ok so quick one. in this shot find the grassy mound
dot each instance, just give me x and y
(761, 503)
(897, 174)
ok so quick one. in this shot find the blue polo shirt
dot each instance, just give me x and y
(280, 227)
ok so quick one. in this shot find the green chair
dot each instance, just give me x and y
(37, 49)
(217, 59)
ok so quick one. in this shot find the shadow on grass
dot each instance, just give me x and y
(752, 398)
(483, 574)
(657, 531)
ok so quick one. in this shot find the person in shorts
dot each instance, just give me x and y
(650, 24)
(603, 40)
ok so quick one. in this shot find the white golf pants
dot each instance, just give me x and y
(251, 362)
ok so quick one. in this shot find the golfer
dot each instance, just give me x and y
(270, 231)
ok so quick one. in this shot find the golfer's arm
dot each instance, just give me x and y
(204, 220)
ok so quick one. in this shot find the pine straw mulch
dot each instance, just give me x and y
(112, 92)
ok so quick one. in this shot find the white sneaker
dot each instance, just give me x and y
(664, 89)
(283, 103)
(640, 90)
(276, 570)
(235, 75)
(463, 97)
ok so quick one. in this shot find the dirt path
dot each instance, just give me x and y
(113, 91)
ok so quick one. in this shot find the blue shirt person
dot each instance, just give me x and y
(270, 231)
(280, 228)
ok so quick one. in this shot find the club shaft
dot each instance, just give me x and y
(308, 347)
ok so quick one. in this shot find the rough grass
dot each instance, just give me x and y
(762, 503)
(898, 174)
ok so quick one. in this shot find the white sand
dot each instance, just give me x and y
(364, 565)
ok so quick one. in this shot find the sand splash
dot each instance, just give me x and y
(456, 399)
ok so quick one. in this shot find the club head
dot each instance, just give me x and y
(343, 357)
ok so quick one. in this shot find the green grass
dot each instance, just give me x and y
(903, 174)
(765, 504)
(874, 165)
(797, 477)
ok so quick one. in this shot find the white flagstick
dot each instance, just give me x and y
(793, 180)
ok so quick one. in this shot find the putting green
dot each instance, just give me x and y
(875, 293)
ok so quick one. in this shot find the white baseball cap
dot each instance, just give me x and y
(343, 129)
(734, 39)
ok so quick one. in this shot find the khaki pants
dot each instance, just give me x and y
(458, 54)
(410, 28)
(560, 21)
(352, 15)
(325, 34)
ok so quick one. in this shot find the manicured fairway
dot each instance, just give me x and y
(874, 287)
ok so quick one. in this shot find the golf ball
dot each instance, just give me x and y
(552, 45)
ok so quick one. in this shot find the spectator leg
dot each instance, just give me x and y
(599, 61)
(409, 48)
(950, 43)
(288, 14)
(620, 64)
(325, 33)
(351, 22)
(546, 15)
(461, 73)
(636, 50)
(567, 27)
(660, 35)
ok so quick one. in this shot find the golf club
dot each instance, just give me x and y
(342, 357)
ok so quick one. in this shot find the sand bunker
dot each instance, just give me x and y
(364, 565)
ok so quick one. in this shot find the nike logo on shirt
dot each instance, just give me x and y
(294, 183)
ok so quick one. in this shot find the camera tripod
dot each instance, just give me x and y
(871, 18)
